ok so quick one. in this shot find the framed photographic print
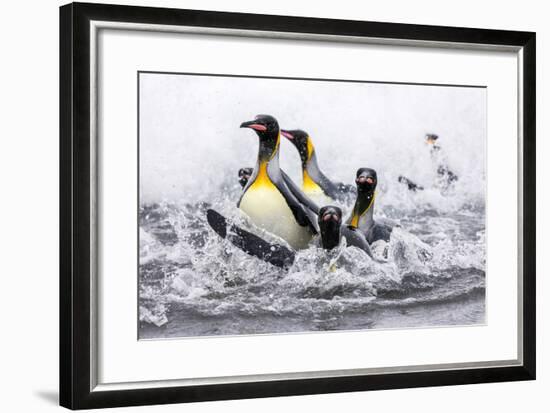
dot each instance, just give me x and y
(258, 205)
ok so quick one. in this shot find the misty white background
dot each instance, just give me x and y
(29, 207)
(190, 138)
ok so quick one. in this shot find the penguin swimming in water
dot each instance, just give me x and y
(244, 176)
(316, 184)
(332, 230)
(267, 198)
(445, 177)
(411, 186)
(362, 217)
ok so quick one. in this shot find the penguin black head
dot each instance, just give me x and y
(431, 138)
(265, 126)
(267, 129)
(244, 175)
(366, 180)
(299, 139)
(330, 221)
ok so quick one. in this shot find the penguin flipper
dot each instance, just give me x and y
(337, 190)
(346, 188)
(275, 254)
(346, 192)
(356, 238)
(379, 232)
(411, 185)
(303, 215)
(299, 194)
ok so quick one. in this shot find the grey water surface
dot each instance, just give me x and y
(192, 283)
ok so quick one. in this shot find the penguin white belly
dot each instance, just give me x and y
(319, 197)
(268, 209)
(314, 191)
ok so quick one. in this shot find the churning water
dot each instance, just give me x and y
(193, 283)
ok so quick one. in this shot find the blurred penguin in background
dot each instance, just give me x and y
(445, 177)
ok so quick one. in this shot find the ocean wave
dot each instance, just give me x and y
(186, 270)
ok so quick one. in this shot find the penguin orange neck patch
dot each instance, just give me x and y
(309, 185)
(262, 179)
(357, 213)
(310, 148)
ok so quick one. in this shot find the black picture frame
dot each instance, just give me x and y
(75, 219)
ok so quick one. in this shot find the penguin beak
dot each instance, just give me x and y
(254, 125)
(287, 134)
(362, 179)
(331, 217)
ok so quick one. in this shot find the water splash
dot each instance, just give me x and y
(191, 278)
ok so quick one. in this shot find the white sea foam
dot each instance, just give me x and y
(201, 274)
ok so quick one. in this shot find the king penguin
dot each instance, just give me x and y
(362, 216)
(267, 198)
(316, 185)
